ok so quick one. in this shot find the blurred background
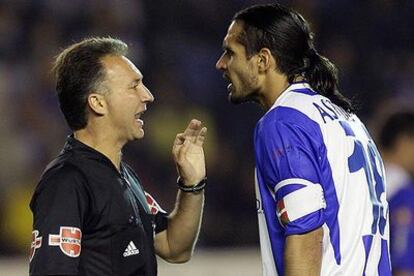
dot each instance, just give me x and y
(176, 44)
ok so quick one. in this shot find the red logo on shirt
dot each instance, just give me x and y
(282, 213)
(69, 241)
(36, 243)
(153, 205)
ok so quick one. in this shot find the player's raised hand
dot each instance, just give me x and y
(189, 154)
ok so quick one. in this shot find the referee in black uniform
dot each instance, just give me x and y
(91, 213)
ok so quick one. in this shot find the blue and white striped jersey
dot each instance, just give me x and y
(317, 166)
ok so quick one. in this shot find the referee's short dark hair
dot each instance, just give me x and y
(398, 124)
(79, 71)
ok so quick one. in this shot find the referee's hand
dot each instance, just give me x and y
(188, 153)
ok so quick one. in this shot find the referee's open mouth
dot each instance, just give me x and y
(139, 114)
(138, 117)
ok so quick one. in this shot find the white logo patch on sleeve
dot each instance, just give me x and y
(301, 202)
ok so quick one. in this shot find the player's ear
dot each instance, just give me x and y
(265, 60)
(97, 103)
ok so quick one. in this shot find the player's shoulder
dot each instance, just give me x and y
(293, 107)
(301, 98)
(296, 103)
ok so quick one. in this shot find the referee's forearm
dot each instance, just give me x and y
(184, 223)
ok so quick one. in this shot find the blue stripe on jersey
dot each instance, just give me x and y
(367, 246)
(384, 266)
(278, 135)
(305, 91)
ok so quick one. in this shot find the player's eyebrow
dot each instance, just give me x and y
(226, 48)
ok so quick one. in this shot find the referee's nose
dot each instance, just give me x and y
(221, 64)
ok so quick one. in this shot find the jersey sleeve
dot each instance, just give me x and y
(402, 229)
(59, 206)
(288, 156)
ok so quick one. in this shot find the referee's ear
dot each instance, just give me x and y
(97, 104)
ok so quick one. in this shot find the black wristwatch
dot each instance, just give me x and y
(192, 189)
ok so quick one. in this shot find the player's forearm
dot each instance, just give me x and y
(303, 254)
(184, 224)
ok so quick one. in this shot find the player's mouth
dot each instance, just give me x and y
(230, 85)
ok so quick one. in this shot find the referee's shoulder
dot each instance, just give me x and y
(61, 179)
(60, 171)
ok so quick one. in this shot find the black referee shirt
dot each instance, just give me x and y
(89, 219)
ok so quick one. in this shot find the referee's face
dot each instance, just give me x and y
(237, 68)
(126, 100)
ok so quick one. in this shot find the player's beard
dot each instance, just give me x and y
(246, 91)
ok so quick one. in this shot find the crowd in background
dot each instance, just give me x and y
(176, 44)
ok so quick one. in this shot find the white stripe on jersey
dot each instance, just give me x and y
(304, 201)
(285, 182)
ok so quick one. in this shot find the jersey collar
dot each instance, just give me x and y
(299, 87)
(76, 146)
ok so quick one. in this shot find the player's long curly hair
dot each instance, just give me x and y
(287, 35)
